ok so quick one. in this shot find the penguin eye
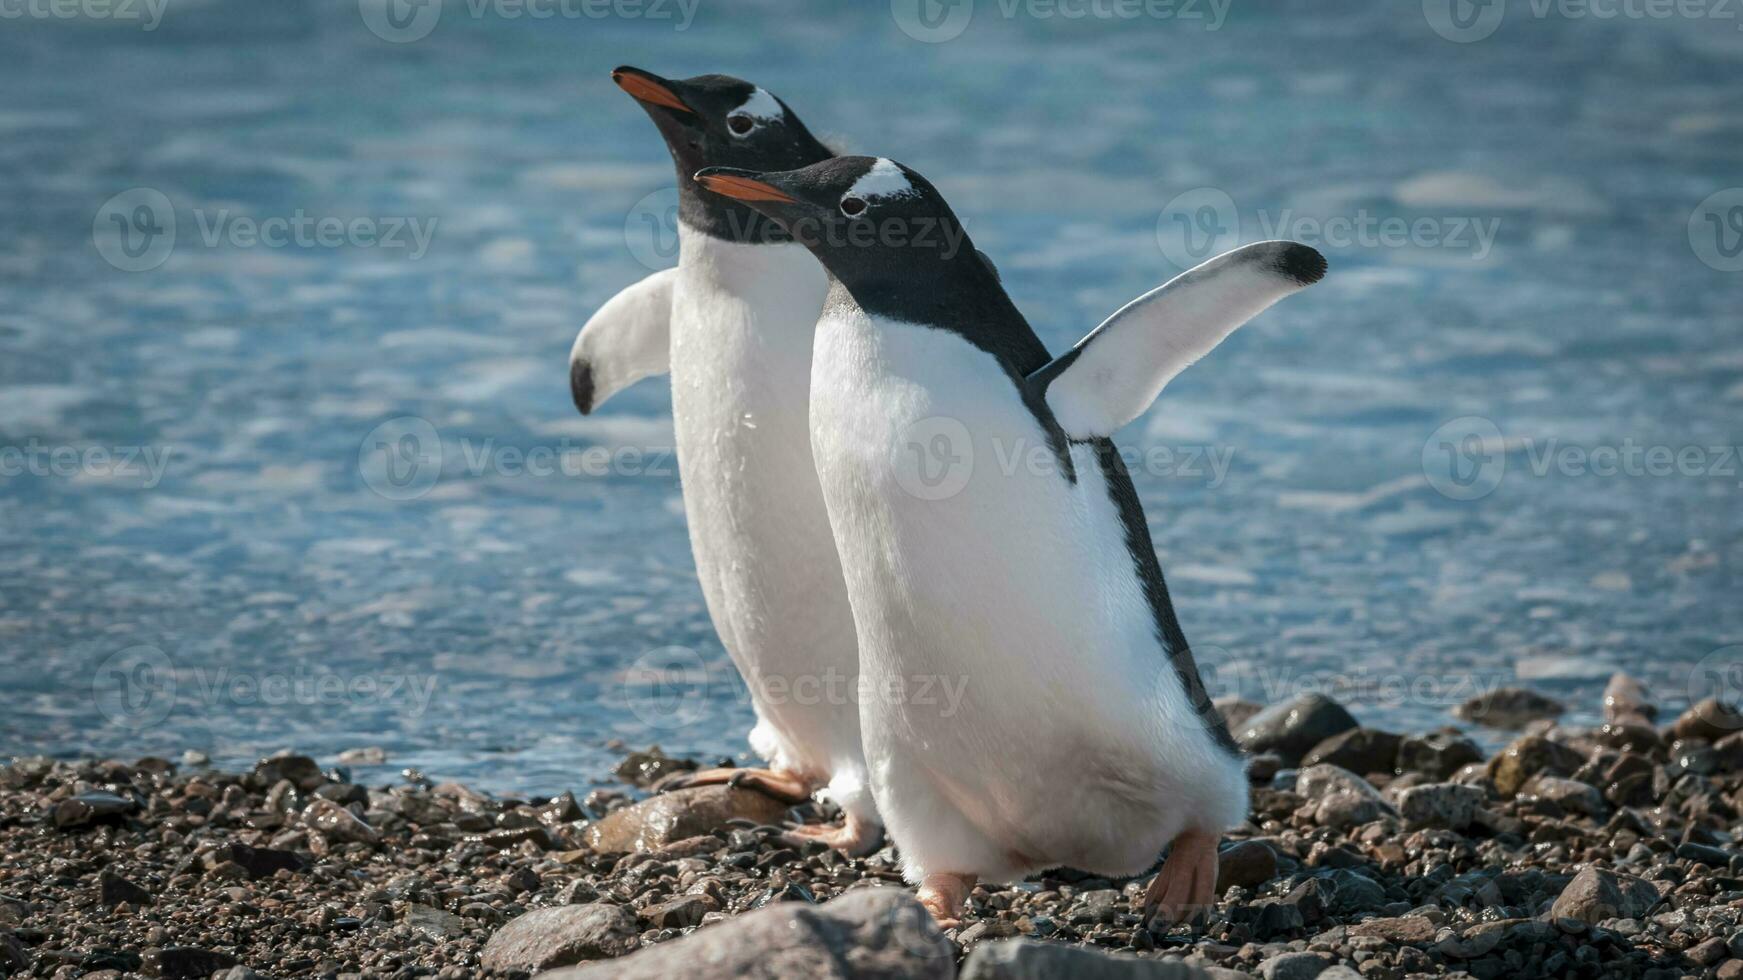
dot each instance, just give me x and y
(853, 207)
(740, 124)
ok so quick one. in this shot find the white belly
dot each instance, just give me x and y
(974, 564)
(742, 323)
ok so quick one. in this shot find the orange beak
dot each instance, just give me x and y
(646, 89)
(744, 188)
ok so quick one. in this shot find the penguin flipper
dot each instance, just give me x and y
(1113, 375)
(627, 340)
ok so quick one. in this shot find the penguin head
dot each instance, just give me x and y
(721, 121)
(867, 219)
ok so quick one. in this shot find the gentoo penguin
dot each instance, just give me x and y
(733, 323)
(991, 537)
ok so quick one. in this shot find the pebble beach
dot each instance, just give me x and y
(1604, 851)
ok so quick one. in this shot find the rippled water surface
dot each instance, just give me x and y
(275, 568)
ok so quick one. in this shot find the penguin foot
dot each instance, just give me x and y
(855, 837)
(1186, 885)
(944, 895)
(784, 786)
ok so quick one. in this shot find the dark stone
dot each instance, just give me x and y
(1247, 864)
(1594, 895)
(187, 963)
(259, 862)
(1360, 750)
(301, 770)
(1509, 707)
(647, 768)
(1437, 755)
(1293, 728)
(1529, 756)
(89, 808)
(679, 913)
(114, 889)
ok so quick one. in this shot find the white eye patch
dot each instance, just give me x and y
(884, 179)
(761, 106)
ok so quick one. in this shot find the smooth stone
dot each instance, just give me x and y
(1028, 959)
(1294, 728)
(671, 817)
(1528, 756)
(1711, 719)
(563, 935)
(1626, 702)
(1595, 895)
(1444, 805)
(1247, 864)
(1510, 708)
(1319, 781)
(433, 922)
(1569, 794)
(868, 932)
(1236, 711)
(338, 823)
(113, 890)
(1437, 755)
(1360, 750)
(1406, 930)
(1293, 966)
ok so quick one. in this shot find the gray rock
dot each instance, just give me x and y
(1594, 895)
(1345, 809)
(1509, 707)
(433, 922)
(1569, 794)
(88, 808)
(1236, 711)
(1404, 930)
(1294, 728)
(868, 932)
(547, 938)
(1027, 959)
(1319, 781)
(1445, 805)
(338, 823)
(1293, 966)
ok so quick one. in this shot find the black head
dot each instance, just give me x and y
(721, 121)
(873, 223)
(892, 245)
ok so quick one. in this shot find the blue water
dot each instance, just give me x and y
(290, 573)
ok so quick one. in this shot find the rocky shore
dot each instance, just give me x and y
(1574, 852)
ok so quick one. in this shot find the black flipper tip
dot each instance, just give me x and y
(1302, 264)
(581, 385)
